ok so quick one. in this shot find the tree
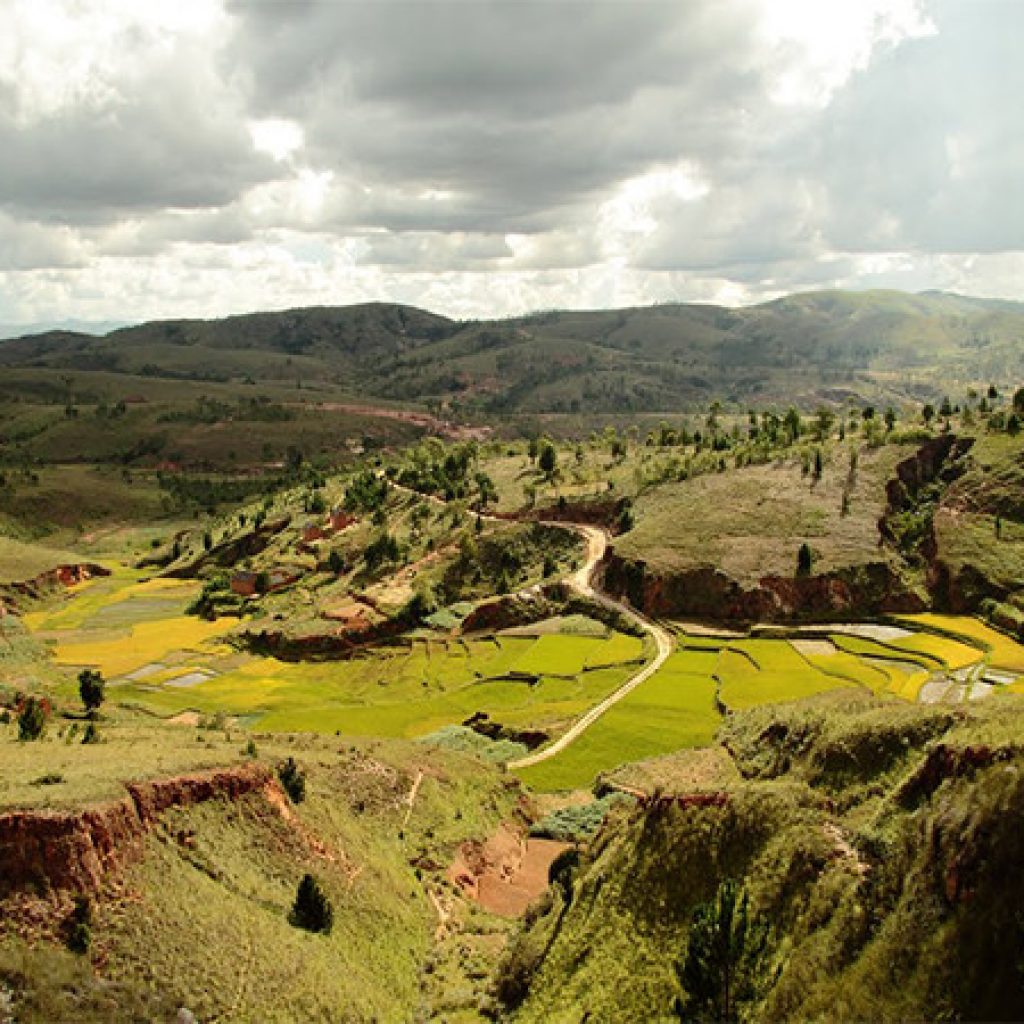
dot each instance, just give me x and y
(1018, 400)
(890, 418)
(928, 412)
(804, 560)
(91, 686)
(548, 459)
(725, 954)
(312, 909)
(293, 780)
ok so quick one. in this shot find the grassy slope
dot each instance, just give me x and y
(750, 522)
(202, 922)
(866, 920)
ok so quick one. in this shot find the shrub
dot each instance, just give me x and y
(312, 909)
(91, 735)
(32, 718)
(79, 926)
(293, 779)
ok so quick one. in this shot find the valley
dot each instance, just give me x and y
(496, 682)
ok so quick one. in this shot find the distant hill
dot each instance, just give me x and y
(830, 346)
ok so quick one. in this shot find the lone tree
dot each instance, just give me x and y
(804, 560)
(725, 954)
(293, 780)
(548, 459)
(91, 688)
(312, 909)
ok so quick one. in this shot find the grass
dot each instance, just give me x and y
(23, 560)
(94, 772)
(750, 522)
(206, 923)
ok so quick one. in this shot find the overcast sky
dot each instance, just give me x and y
(202, 157)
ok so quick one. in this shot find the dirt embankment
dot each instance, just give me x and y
(604, 512)
(49, 581)
(705, 592)
(231, 552)
(76, 850)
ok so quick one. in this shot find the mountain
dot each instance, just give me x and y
(831, 346)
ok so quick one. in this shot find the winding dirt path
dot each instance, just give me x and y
(582, 580)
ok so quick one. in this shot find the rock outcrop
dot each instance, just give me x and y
(47, 582)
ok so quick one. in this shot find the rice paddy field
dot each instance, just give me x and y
(162, 661)
(681, 705)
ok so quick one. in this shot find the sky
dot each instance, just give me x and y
(483, 158)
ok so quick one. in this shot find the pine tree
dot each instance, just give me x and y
(804, 560)
(312, 909)
(724, 960)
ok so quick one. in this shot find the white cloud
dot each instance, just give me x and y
(209, 156)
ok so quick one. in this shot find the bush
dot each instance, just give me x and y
(79, 926)
(91, 735)
(32, 718)
(312, 909)
(293, 779)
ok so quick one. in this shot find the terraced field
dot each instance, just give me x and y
(676, 708)
(545, 677)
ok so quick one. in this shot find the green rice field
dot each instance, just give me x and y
(164, 662)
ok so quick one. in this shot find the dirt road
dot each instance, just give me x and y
(582, 580)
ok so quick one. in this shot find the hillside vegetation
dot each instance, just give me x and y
(807, 348)
(879, 848)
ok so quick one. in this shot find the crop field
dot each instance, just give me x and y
(674, 709)
(155, 657)
(1003, 652)
(407, 692)
(753, 672)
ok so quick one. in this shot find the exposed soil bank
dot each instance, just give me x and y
(77, 849)
(707, 593)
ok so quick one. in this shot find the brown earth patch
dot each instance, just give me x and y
(507, 872)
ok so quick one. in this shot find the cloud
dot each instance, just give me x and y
(481, 157)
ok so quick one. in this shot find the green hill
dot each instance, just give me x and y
(822, 346)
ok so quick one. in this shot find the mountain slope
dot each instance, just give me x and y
(871, 346)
